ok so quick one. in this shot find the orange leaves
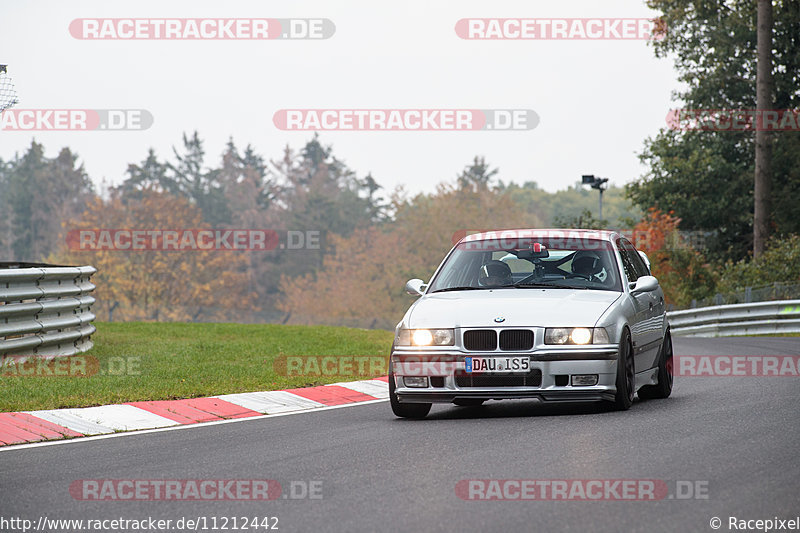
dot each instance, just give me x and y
(683, 272)
(656, 231)
(157, 284)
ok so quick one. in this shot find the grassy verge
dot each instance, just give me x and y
(161, 361)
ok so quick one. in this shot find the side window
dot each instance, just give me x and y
(636, 259)
(627, 262)
(641, 265)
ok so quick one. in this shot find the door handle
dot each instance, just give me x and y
(651, 306)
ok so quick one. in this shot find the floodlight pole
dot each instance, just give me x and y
(596, 183)
(600, 208)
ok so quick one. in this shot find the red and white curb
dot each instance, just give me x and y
(35, 426)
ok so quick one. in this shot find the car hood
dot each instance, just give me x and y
(519, 308)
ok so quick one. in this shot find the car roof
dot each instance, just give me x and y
(559, 233)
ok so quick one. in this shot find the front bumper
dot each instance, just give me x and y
(448, 382)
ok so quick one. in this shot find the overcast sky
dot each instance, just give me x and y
(597, 100)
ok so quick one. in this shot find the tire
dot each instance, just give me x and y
(406, 410)
(664, 387)
(626, 375)
(468, 402)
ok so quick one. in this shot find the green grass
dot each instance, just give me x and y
(161, 361)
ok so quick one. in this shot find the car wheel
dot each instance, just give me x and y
(664, 387)
(406, 410)
(468, 402)
(625, 375)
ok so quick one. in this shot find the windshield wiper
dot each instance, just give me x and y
(547, 286)
(448, 289)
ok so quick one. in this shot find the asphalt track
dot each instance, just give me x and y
(737, 440)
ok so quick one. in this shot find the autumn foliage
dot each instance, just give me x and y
(362, 281)
(160, 285)
(682, 271)
(370, 241)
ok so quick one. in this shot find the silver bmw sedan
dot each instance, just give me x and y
(556, 315)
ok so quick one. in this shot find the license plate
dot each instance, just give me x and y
(497, 365)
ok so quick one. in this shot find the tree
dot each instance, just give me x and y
(36, 195)
(706, 180)
(706, 177)
(309, 190)
(187, 177)
(251, 195)
(151, 175)
(245, 186)
(167, 285)
(682, 271)
(477, 176)
(763, 155)
(198, 183)
(361, 281)
(780, 263)
(567, 206)
(585, 220)
(318, 192)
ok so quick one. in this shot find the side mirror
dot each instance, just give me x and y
(644, 284)
(415, 287)
(645, 259)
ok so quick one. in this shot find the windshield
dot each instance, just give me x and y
(530, 263)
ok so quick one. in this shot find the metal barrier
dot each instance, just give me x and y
(782, 290)
(45, 311)
(761, 318)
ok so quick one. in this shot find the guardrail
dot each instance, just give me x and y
(771, 292)
(761, 318)
(45, 311)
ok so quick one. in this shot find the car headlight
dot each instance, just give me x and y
(576, 336)
(425, 337)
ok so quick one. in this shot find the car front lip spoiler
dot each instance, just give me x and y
(447, 396)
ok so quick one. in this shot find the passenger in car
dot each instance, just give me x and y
(495, 274)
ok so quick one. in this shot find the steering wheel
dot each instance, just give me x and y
(587, 277)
